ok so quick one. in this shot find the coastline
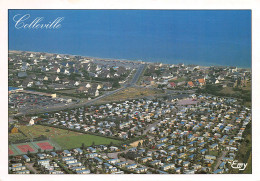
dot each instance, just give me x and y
(134, 61)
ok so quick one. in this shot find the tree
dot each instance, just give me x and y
(139, 145)
(116, 84)
(111, 143)
(182, 170)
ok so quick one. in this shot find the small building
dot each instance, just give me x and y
(83, 171)
(98, 160)
(78, 151)
(40, 156)
(53, 154)
(26, 158)
(218, 171)
(113, 161)
(66, 153)
(14, 130)
(168, 166)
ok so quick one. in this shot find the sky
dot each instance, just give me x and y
(204, 37)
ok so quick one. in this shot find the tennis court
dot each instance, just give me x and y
(45, 146)
(25, 148)
(10, 152)
(33, 147)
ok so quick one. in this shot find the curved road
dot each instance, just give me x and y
(90, 102)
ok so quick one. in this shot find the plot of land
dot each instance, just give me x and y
(76, 141)
(187, 102)
(179, 79)
(25, 148)
(130, 93)
(64, 138)
(135, 144)
(12, 137)
(38, 130)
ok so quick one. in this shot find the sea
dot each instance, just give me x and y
(201, 37)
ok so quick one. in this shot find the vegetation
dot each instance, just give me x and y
(63, 167)
(131, 93)
(241, 93)
(86, 139)
(245, 151)
(38, 130)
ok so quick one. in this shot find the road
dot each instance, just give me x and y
(219, 160)
(115, 155)
(29, 166)
(148, 128)
(138, 74)
(132, 83)
(88, 103)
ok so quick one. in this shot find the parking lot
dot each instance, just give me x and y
(26, 101)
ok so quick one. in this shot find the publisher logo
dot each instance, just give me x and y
(236, 165)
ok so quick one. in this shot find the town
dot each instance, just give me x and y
(83, 115)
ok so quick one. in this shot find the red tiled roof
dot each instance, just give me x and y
(190, 83)
(201, 80)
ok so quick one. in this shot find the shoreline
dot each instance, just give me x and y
(133, 61)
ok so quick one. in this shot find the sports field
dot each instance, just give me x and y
(25, 148)
(33, 147)
(76, 141)
(45, 146)
(10, 151)
(60, 138)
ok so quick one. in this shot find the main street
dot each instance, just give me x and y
(135, 78)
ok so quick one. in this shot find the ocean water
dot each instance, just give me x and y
(203, 37)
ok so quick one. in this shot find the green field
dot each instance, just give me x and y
(16, 136)
(38, 130)
(179, 79)
(130, 93)
(76, 141)
(65, 138)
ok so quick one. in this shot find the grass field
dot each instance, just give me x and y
(179, 79)
(16, 136)
(132, 92)
(38, 130)
(76, 141)
(65, 138)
